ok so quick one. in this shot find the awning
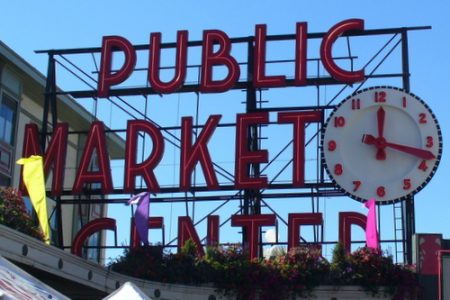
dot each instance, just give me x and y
(17, 284)
(128, 291)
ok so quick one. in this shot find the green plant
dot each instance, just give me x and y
(300, 270)
(297, 272)
(13, 213)
(233, 272)
(372, 270)
(141, 262)
(340, 268)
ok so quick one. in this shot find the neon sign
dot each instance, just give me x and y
(252, 224)
(190, 154)
(215, 53)
(107, 78)
(193, 152)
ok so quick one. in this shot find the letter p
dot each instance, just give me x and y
(106, 78)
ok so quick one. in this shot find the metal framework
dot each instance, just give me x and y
(250, 201)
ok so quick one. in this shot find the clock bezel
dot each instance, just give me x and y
(409, 193)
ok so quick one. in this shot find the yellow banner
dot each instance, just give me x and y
(33, 177)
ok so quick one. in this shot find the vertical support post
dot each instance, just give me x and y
(252, 203)
(409, 214)
(50, 99)
(410, 227)
(253, 133)
(50, 105)
(405, 61)
(47, 100)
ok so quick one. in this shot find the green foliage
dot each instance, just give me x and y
(340, 269)
(297, 272)
(13, 213)
(370, 269)
(189, 249)
(142, 262)
(338, 259)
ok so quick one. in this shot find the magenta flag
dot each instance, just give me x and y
(142, 201)
(371, 225)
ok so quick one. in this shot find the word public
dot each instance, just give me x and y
(216, 52)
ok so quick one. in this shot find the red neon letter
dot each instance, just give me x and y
(31, 141)
(220, 58)
(299, 119)
(259, 68)
(327, 46)
(180, 64)
(30, 147)
(89, 229)
(301, 52)
(294, 223)
(346, 220)
(187, 231)
(144, 169)
(105, 78)
(253, 223)
(212, 237)
(191, 154)
(95, 142)
(55, 154)
(244, 156)
(153, 222)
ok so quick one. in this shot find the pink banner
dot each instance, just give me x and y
(371, 225)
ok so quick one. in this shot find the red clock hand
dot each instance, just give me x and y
(424, 154)
(381, 153)
(380, 121)
(381, 143)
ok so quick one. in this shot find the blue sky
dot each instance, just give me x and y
(26, 26)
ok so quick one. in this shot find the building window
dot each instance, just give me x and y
(84, 213)
(8, 111)
(4, 180)
(5, 160)
(28, 206)
(54, 226)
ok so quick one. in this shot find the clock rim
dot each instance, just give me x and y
(419, 187)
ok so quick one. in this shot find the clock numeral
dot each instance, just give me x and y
(332, 145)
(404, 102)
(429, 143)
(422, 118)
(339, 121)
(423, 165)
(406, 184)
(380, 97)
(356, 104)
(381, 192)
(338, 170)
(356, 185)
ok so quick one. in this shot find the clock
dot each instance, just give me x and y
(382, 143)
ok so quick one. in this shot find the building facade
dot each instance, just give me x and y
(21, 102)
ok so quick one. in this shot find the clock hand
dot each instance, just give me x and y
(381, 153)
(380, 121)
(381, 143)
(424, 154)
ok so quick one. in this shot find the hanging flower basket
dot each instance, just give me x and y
(13, 213)
(302, 272)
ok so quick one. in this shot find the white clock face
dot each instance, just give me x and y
(381, 143)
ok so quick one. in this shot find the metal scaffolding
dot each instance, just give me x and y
(248, 201)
